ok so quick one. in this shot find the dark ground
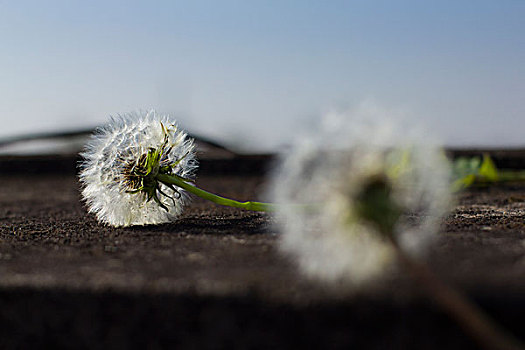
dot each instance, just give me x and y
(215, 278)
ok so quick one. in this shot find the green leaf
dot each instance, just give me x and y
(464, 182)
(475, 170)
(488, 170)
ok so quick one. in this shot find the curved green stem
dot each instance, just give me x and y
(180, 182)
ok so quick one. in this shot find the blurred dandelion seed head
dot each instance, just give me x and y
(119, 165)
(321, 182)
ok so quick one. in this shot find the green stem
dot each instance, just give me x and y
(511, 175)
(469, 316)
(180, 182)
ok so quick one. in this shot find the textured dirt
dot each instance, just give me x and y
(216, 279)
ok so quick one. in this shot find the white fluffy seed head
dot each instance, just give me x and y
(107, 157)
(318, 183)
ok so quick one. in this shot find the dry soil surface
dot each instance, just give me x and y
(216, 278)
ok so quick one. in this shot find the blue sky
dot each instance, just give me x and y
(250, 73)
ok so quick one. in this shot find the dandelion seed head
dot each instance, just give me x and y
(321, 179)
(114, 164)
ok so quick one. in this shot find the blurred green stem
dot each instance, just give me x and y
(469, 316)
(511, 175)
